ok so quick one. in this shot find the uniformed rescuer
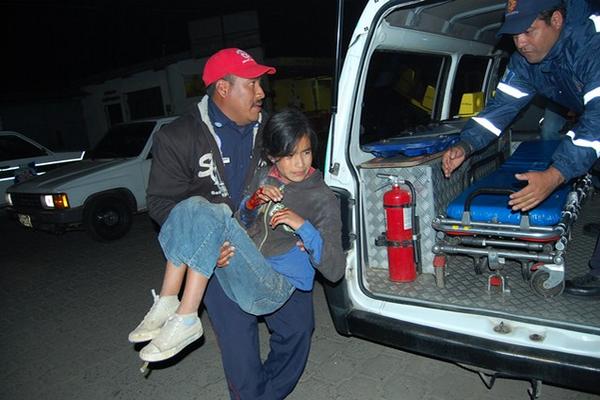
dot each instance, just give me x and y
(558, 44)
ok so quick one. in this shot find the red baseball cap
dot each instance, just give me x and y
(233, 61)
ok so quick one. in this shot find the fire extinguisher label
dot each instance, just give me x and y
(407, 218)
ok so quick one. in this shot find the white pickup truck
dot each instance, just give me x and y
(21, 156)
(99, 194)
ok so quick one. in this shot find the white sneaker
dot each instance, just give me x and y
(173, 337)
(160, 311)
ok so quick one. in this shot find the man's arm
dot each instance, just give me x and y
(576, 154)
(169, 176)
(513, 93)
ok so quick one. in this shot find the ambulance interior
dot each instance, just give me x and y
(414, 100)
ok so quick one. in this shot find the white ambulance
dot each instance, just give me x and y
(413, 73)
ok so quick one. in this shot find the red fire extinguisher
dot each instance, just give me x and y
(399, 238)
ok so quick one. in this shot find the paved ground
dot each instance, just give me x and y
(68, 304)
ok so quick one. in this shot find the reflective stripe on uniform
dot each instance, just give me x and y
(591, 144)
(511, 91)
(596, 20)
(487, 125)
(592, 94)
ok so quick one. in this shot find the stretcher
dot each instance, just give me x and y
(480, 224)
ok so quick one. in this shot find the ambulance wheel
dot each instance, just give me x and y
(528, 268)
(538, 278)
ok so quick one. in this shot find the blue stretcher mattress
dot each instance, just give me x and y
(529, 156)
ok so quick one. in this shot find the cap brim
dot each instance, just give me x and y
(254, 71)
(516, 24)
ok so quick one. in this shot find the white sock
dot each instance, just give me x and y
(169, 300)
(188, 319)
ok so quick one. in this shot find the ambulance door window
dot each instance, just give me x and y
(400, 96)
(468, 92)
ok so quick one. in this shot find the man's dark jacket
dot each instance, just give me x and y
(186, 161)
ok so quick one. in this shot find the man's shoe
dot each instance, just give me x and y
(584, 285)
(160, 311)
(178, 332)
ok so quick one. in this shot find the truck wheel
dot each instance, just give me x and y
(107, 218)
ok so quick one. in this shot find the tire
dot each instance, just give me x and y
(538, 278)
(107, 218)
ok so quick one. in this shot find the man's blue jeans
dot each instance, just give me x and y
(193, 235)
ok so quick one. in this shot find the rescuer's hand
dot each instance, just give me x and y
(452, 159)
(540, 185)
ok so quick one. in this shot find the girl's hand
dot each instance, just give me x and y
(263, 195)
(288, 217)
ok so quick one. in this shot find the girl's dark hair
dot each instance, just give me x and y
(283, 131)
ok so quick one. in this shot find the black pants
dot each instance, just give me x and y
(595, 260)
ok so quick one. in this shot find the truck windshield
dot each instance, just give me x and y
(123, 141)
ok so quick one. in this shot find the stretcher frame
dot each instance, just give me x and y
(540, 250)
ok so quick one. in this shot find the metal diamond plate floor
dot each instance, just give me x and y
(466, 290)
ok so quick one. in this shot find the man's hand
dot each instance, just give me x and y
(452, 159)
(227, 251)
(541, 184)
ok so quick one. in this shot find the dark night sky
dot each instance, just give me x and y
(51, 45)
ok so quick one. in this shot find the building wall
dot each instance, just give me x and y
(113, 93)
(180, 85)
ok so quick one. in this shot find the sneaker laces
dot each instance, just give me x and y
(144, 367)
(157, 341)
(154, 305)
(168, 330)
(171, 325)
(165, 335)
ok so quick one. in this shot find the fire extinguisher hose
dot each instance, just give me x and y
(415, 224)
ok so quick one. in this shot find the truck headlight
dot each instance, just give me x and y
(58, 201)
(8, 199)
